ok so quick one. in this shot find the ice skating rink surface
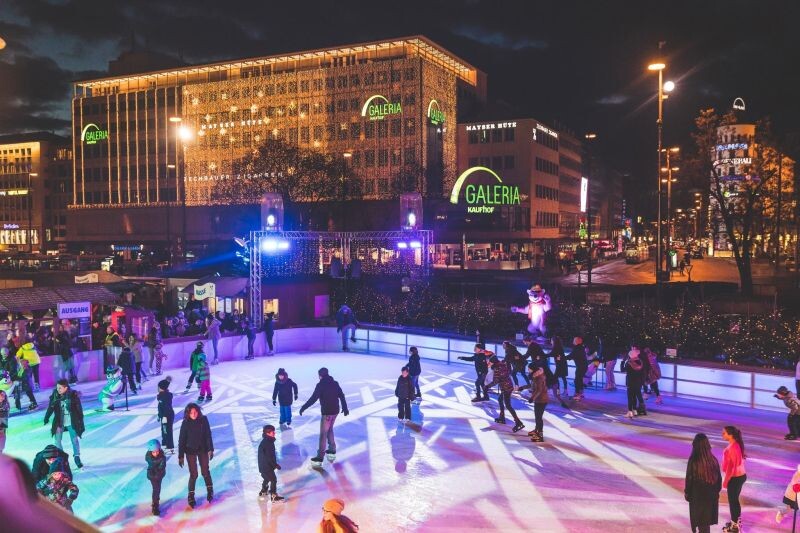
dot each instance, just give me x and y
(453, 470)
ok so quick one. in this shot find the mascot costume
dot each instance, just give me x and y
(537, 309)
(114, 386)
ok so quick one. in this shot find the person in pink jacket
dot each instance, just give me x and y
(733, 474)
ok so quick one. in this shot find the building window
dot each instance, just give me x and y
(508, 161)
(411, 126)
(304, 86)
(497, 136)
(369, 158)
(383, 185)
(509, 134)
(355, 130)
(410, 99)
(473, 137)
(318, 133)
(409, 156)
(395, 75)
(355, 105)
(383, 157)
(304, 137)
(473, 162)
(548, 167)
(383, 129)
(395, 127)
(497, 162)
(396, 158)
(354, 80)
(341, 106)
(369, 130)
(369, 186)
(411, 74)
(355, 159)
(342, 136)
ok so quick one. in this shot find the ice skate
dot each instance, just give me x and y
(191, 501)
(779, 515)
(33, 407)
(790, 436)
(262, 495)
(316, 463)
(78, 462)
(517, 427)
(536, 438)
(331, 456)
(659, 401)
(276, 499)
(156, 510)
(477, 399)
(641, 412)
(210, 398)
(209, 493)
(629, 414)
(201, 399)
(500, 420)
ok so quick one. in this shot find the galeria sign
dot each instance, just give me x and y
(92, 133)
(483, 199)
(435, 114)
(378, 106)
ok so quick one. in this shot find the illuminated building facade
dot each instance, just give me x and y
(391, 106)
(35, 189)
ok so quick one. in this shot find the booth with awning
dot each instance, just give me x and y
(218, 293)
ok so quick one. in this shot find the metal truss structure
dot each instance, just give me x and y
(351, 244)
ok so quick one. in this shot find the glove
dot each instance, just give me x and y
(210, 455)
(273, 402)
(278, 467)
(45, 421)
(345, 412)
(301, 412)
(180, 462)
(295, 398)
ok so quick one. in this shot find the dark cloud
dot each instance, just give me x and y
(500, 39)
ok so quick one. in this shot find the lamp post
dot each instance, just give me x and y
(589, 137)
(669, 180)
(184, 135)
(662, 87)
(30, 211)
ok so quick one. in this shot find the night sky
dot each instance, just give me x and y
(582, 64)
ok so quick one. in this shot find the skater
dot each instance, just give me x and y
(203, 378)
(166, 414)
(113, 346)
(64, 348)
(516, 362)
(136, 350)
(153, 340)
(269, 331)
(59, 489)
(50, 460)
(286, 392)
(797, 376)
(159, 356)
(539, 400)
(653, 373)
(557, 353)
(481, 369)
(333, 521)
(67, 411)
(578, 355)
(214, 334)
(734, 475)
(703, 483)
(346, 323)
(329, 394)
(793, 419)
(195, 443)
(502, 377)
(633, 368)
(128, 366)
(789, 497)
(610, 355)
(198, 350)
(29, 353)
(156, 470)
(20, 374)
(414, 370)
(404, 392)
(250, 332)
(267, 464)
(4, 410)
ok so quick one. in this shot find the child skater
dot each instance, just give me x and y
(405, 393)
(539, 400)
(285, 391)
(203, 377)
(166, 414)
(156, 470)
(267, 464)
(4, 409)
(159, 356)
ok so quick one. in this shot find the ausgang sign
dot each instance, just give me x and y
(75, 310)
(378, 106)
(435, 114)
(483, 198)
(92, 133)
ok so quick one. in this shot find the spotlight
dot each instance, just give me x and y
(402, 245)
(283, 245)
(416, 245)
(270, 220)
(269, 245)
(412, 219)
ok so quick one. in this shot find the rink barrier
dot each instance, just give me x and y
(721, 385)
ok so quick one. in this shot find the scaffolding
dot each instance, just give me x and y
(400, 252)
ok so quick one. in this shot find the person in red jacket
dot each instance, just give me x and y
(734, 475)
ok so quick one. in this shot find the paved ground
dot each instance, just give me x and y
(455, 470)
(617, 272)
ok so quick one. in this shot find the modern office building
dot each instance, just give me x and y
(35, 189)
(154, 150)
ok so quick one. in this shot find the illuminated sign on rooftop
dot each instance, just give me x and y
(482, 199)
(92, 133)
(378, 106)
(491, 126)
(732, 146)
(435, 113)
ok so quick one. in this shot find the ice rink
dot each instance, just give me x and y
(453, 470)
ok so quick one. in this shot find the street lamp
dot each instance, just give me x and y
(591, 137)
(2, 43)
(669, 181)
(183, 134)
(30, 209)
(662, 88)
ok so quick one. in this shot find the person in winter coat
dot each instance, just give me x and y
(249, 330)
(502, 377)
(285, 391)
(214, 334)
(4, 410)
(198, 350)
(29, 353)
(578, 356)
(793, 419)
(516, 362)
(204, 377)
(539, 400)
(267, 464)
(734, 474)
(113, 344)
(414, 370)
(789, 497)
(481, 369)
(136, 350)
(50, 460)
(67, 411)
(153, 340)
(159, 356)
(20, 376)
(156, 471)
(166, 414)
(329, 394)
(404, 392)
(634, 379)
(346, 323)
(64, 347)
(703, 484)
(59, 489)
(196, 445)
(652, 372)
(127, 365)
(560, 359)
(333, 521)
(610, 355)
(269, 332)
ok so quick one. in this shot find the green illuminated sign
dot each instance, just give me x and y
(435, 114)
(92, 133)
(484, 198)
(378, 106)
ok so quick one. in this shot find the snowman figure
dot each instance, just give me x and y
(537, 309)
(113, 387)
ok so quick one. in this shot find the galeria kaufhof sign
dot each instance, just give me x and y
(483, 198)
(92, 133)
(378, 107)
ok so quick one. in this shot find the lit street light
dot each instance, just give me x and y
(2, 43)
(659, 67)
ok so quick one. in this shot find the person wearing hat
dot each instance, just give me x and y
(634, 379)
(793, 419)
(578, 355)
(285, 392)
(333, 521)
(193, 358)
(51, 459)
(481, 371)
(539, 398)
(127, 364)
(156, 470)
(502, 376)
(67, 412)
(166, 414)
